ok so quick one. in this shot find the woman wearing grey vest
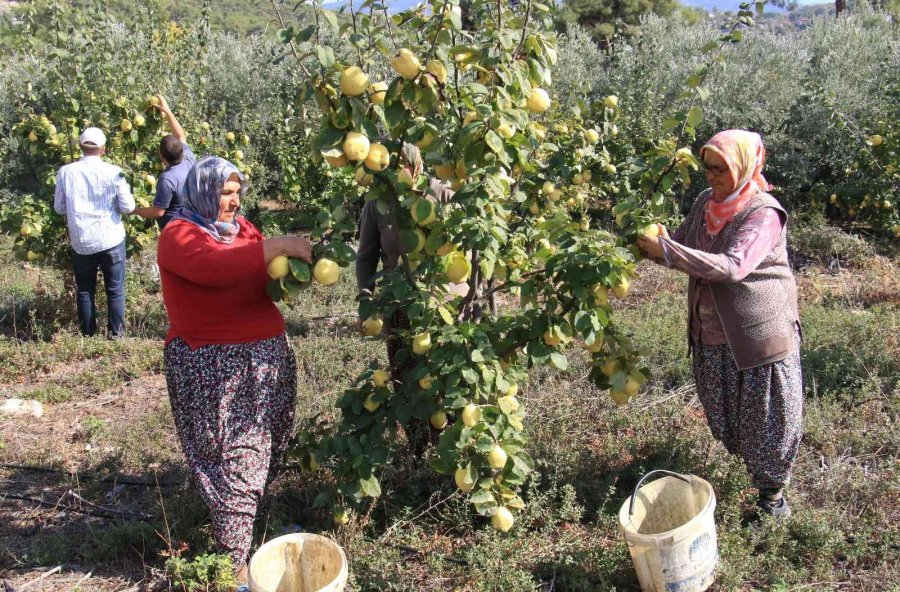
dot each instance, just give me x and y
(744, 330)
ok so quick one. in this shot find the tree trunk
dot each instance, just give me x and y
(839, 7)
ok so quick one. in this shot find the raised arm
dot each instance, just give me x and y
(753, 242)
(176, 128)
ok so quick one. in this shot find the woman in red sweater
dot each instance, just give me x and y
(230, 370)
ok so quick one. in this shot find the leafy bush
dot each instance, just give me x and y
(817, 96)
(204, 573)
(823, 243)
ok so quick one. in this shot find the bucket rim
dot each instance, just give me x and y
(672, 533)
(301, 536)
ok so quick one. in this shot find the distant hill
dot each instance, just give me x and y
(732, 5)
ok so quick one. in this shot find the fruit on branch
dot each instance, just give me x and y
(372, 326)
(406, 64)
(509, 403)
(619, 397)
(875, 140)
(363, 178)
(125, 125)
(497, 457)
(437, 69)
(353, 81)
(421, 344)
(380, 378)
(502, 519)
(632, 386)
(326, 272)
(278, 267)
(445, 171)
(611, 102)
(230, 137)
(538, 101)
(610, 366)
(378, 157)
(139, 120)
(592, 136)
(460, 478)
(506, 130)
(425, 382)
(370, 404)
(620, 290)
(356, 146)
(438, 420)
(596, 346)
(341, 516)
(377, 91)
(470, 415)
(651, 230)
(337, 161)
(458, 268)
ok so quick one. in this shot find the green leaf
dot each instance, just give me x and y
(737, 36)
(506, 406)
(273, 289)
(695, 116)
(306, 34)
(559, 361)
(445, 314)
(370, 487)
(326, 55)
(300, 270)
(285, 35)
(494, 142)
(332, 20)
(694, 80)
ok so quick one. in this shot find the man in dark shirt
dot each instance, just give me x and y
(178, 158)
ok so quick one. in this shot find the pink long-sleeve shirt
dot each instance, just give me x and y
(753, 242)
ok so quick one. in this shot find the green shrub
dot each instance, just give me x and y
(204, 573)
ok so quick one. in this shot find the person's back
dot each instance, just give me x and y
(93, 194)
(170, 185)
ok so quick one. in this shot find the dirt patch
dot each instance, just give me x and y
(65, 436)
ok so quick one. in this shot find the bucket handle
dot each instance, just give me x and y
(686, 479)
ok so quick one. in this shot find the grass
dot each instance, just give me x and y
(107, 415)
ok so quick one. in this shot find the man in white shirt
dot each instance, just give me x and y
(93, 195)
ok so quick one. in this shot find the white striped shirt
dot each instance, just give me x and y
(93, 195)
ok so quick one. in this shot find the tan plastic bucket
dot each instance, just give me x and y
(299, 562)
(671, 533)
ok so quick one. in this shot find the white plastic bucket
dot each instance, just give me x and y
(298, 562)
(671, 533)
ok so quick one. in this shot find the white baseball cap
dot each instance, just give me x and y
(92, 137)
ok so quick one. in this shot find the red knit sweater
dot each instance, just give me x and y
(216, 293)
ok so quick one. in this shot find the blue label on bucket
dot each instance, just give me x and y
(698, 581)
(701, 548)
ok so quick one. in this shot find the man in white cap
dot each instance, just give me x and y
(93, 195)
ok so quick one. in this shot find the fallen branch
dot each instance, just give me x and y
(420, 551)
(42, 577)
(86, 476)
(92, 510)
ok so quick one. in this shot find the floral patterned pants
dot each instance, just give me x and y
(756, 413)
(234, 410)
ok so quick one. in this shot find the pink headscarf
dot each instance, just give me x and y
(745, 155)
